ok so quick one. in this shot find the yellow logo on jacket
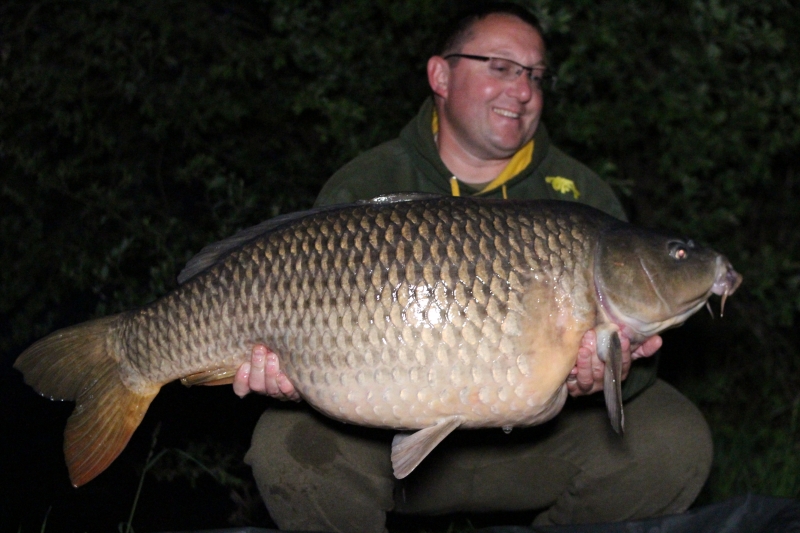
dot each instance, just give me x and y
(563, 185)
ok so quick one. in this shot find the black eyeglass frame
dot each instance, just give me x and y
(540, 81)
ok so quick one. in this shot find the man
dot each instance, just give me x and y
(480, 135)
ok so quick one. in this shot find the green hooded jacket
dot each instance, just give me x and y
(411, 163)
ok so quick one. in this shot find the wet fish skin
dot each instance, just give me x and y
(430, 314)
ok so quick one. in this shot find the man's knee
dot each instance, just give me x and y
(318, 474)
(290, 438)
(671, 450)
(657, 467)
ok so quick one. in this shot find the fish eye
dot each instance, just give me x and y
(678, 250)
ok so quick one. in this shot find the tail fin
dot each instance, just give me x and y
(76, 364)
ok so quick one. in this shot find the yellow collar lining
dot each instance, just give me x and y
(517, 164)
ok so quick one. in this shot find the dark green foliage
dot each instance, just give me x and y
(133, 133)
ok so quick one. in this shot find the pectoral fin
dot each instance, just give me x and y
(409, 449)
(217, 376)
(609, 349)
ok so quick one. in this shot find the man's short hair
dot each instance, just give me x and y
(458, 30)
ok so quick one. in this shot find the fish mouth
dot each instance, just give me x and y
(726, 281)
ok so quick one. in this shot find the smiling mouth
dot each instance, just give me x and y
(506, 113)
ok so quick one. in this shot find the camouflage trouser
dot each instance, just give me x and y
(320, 475)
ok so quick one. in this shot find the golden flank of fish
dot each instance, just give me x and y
(407, 312)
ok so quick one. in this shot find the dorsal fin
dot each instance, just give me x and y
(211, 254)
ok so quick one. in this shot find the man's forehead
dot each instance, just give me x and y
(499, 31)
(487, 23)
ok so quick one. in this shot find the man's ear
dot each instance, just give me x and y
(438, 75)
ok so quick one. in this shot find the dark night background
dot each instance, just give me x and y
(133, 133)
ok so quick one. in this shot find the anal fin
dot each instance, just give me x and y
(609, 349)
(217, 376)
(408, 450)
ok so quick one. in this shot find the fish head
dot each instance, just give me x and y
(648, 281)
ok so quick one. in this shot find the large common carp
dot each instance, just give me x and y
(406, 312)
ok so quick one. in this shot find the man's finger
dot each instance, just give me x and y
(626, 367)
(648, 347)
(287, 388)
(257, 360)
(625, 347)
(584, 378)
(270, 375)
(240, 380)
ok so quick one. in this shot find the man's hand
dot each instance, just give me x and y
(587, 376)
(263, 375)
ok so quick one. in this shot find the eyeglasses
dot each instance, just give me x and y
(507, 70)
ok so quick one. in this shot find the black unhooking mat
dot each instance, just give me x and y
(743, 514)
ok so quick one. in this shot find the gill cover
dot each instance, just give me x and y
(651, 281)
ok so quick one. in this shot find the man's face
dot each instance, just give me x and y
(488, 117)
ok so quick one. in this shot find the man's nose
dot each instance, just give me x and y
(522, 88)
